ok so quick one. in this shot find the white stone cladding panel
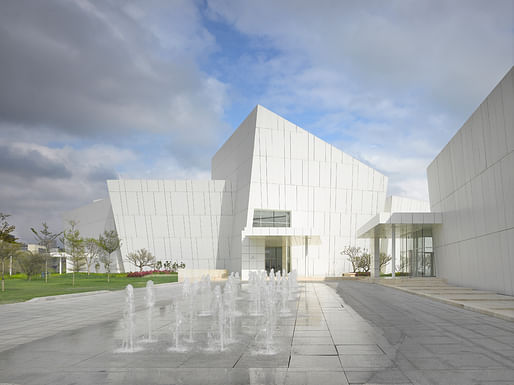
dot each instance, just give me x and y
(172, 220)
(325, 190)
(472, 183)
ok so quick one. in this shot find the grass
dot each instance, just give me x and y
(397, 274)
(18, 288)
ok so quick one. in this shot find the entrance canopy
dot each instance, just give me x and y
(382, 224)
(296, 236)
(275, 244)
(414, 232)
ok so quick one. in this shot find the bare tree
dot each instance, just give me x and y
(365, 262)
(7, 250)
(353, 254)
(47, 239)
(384, 260)
(74, 246)
(141, 258)
(92, 251)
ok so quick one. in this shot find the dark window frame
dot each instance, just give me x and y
(271, 218)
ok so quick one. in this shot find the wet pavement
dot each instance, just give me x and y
(372, 334)
(431, 342)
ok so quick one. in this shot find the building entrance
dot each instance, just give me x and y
(417, 254)
(273, 258)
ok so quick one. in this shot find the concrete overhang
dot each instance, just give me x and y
(294, 234)
(381, 225)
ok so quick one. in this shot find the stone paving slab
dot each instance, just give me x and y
(371, 335)
(23, 322)
(485, 302)
(428, 342)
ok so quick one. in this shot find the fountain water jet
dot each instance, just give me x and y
(221, 317)
(188, 292)
(206, 296)
(129, 323)
(176, 330)
(150, 303)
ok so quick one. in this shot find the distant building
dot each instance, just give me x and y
(56, 263)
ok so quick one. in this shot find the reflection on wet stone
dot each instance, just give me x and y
(265, 331)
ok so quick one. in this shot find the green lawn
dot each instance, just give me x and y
(19, 289)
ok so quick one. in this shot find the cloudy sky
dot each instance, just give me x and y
(95, 90)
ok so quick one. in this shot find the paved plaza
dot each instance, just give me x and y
(343, 332)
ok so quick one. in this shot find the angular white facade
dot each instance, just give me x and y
(471, 182)
(275, 165)
(397, 204)
(176, 220)
(269, 167)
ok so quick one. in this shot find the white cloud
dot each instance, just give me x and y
(40, 182)
(91, 90)
(394, 78)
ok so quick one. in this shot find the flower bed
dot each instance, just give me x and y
(138, 274)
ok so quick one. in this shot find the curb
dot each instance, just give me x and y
(65, 296)
(88, 293)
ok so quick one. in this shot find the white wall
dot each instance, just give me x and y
(472, 183)
(176, 220)
(267, 163)
(327, 191)
(398, 204)
(233, 162)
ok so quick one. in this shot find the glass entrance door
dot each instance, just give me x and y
(417, 253)
(273, 258)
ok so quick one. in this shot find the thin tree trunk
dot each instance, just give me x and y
(73, 279)
(46, 270)
(3, 281)
(108, 277)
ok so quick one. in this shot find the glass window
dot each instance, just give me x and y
(271, 218)
(417, 254)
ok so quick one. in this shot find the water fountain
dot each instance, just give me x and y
(188, 292)
(284, 295)
(218, 314)
(150, 302)
(270, 317)
(220, 307)
(129, 323)
(229, 304)
(176, 328)
(206, 296)
(255, 283)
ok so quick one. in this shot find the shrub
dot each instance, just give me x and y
(139, 274)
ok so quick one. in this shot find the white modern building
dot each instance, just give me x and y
(282, 198)
(468, 237)
(471, 182)
(279, 198)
